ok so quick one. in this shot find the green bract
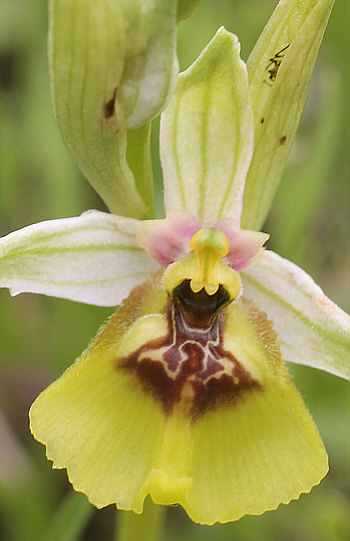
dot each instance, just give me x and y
(113, 66)
(278, 103)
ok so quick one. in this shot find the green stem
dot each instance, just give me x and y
(145, 527)
(70, 519)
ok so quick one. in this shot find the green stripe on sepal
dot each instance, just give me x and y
(207, 134)
(312, 330)
(93, 258)
(288, 46)
(104, 59)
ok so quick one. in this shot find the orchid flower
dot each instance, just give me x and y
(184, 394)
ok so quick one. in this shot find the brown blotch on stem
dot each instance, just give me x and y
(262, 120)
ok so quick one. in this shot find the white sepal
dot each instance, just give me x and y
(93, 258)
(312, 329)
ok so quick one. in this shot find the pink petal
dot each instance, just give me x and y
(245, 245)
(169, 240)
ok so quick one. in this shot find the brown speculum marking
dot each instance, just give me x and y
(190, 364)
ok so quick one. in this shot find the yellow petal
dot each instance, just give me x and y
(125, 424)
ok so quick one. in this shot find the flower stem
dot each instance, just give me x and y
(145, 527)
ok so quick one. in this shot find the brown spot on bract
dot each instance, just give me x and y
(109, 109)
(283, 140)
(262, 120)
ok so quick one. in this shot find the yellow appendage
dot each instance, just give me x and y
(204, 266)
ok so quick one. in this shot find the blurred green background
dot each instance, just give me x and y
(40, 337)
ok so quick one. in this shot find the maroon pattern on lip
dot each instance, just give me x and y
(189, 363)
